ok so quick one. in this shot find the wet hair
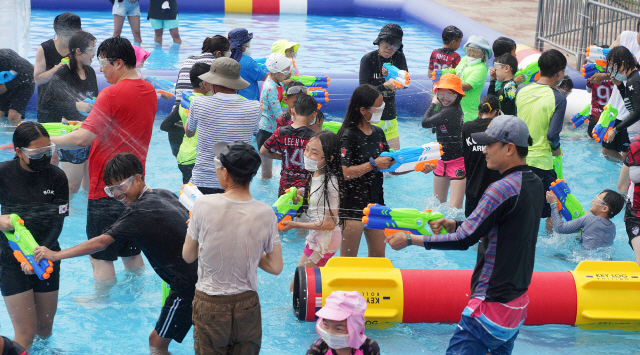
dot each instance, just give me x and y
(614, 200)
(450, 34)
(509, 60)
(305, 105)
(620, 57)
(488, 104)
(503, 45)
(332, 170)
(197, 70)
(240, 180)
(293, 84)
(120, 167)
(118, 48)
(215, 44)
(566, 84)
(79, 40)
(28, 132)
(365, 96)
(320, 116)
(551, 62)
(66, 23)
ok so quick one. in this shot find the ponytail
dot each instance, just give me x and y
(488, 104)
(215, 44)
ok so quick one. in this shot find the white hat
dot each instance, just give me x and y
(277, 63)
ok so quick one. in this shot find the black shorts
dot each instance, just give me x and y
(547, 177)
(631, 223)
(102, 213)
(186, 171)
(17, 99)
(14, 281)
(262, 137)
(357, 202)
(620, 143)
(74, 156)
(175, 316)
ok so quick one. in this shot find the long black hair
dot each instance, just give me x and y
(79, 40)
(26, 133)
(620, 57)
(365, 96)
(332, 171)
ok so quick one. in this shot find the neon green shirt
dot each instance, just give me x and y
(476, 76)
(187, 153)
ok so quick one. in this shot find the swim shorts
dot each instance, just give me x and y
(126, 8)
(17, 99)
(160, 24)
(74, 156)
(631, 223)
(390, 128)
(471, 337)
(102, 213)
(14, 281)
(453, 169)
(175, 316)
(620, 142)
(313, 255)
(547, 177)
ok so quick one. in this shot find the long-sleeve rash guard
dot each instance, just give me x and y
(631, 96)
(447, 120)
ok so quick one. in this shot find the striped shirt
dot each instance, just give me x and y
(184, 79)
(219, 118)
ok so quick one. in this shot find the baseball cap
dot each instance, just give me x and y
(238, 157)
(225, 72)
(506, 129)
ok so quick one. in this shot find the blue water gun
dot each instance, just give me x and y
(394, 220)
(400, 78)
(589, 69)
(7, 75)
(568, 204)
(162, 86)
(91, 100)
(260, 61)
(606, 123)
(436, 74)
(320, 94)
(22, 243)
(186, 100)
(413, 158)
(581, 117)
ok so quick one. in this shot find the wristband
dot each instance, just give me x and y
(409, 239)
(373, 164)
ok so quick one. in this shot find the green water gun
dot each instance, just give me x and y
(57, 129)
(531, 72)
(332, 126)
(569, 206)
(312, 81)
(394, 220)
(284, 207)
(22, 243)
(606, 123)
(557, 164)
(65, 60)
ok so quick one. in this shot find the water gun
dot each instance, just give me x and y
(400, 78)
(413, 158)
(185, 103)
(65, 60)
(606, 123)
(284, 207)
(435, 76)
(320, 94)
(394, 220)
(7, 75)
(92, 101)
(332, 126)
(57, 129)
(568, 204)
(531, 72)
(594, 53)
(188, 196)
(22, 243)
(581, 117)
(313, 81)
(557, 165)
(589, 69)
(162, 86)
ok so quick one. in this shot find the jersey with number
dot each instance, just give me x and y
(600, 95)
(443, 58)
(290, 142)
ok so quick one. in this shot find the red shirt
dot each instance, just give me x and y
(443, 58)
(290, 142)
(122, 118)
(600, 95)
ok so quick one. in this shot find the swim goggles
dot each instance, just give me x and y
(447, 96)
(498, 65)
(90, 50)
(376, 109)
(37, 153)
(295, 90)
(474, 51)
(601, 203)
(384, 43)
(105, 61)
(120, 188)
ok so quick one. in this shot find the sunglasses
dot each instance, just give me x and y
(37, 153)
(121, 187)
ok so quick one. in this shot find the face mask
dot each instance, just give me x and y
(247, 52)
(40, 164)
(473, 61)
(311, 165)
(335, 341)
(620, 77)
(227, 54)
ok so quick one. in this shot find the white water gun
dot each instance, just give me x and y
(188, 195)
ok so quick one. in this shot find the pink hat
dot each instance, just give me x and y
(349, 305)
(141, 55)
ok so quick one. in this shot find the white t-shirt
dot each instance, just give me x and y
(232, 237)
(628, 39)
(324, 242)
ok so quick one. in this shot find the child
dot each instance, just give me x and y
(503, 45)
(164, 14)
(446, 57)
(444, 114)
(131, 10)
(504, 67)
(600, 95)
(316, 127)
(141, 57)
(250, 71)
(289, 49)
(288, 143)
(596, 228)
(293, 89)
(322, 159)
(341, 326)
(279, 68)
(565, 86)
(473, 72)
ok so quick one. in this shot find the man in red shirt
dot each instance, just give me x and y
(121, 121)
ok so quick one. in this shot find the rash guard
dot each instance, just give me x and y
(447, 120)
(631, 96)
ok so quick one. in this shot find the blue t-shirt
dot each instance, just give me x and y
(251, 72)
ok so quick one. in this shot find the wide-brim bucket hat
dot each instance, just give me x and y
(452, 82)
(225, 72)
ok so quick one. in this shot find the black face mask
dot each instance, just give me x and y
(39, 165)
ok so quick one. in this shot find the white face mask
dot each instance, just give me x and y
(311, 165)
(247, 52)
(227, 54)
(473, 61)
(335, 341)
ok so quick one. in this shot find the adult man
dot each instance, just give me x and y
(542, 108)
(223, 117)
(508, 216)
(16, 85)
(232, 235)
(157, 221)
(121, 121)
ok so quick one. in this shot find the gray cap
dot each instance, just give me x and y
(506, 129)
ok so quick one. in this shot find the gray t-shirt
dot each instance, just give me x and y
(596, 231)
(232, 237)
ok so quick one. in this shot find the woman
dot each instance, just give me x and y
(31, 302)
(389, 50)
(64, 101)
(131, 10)
(361, 143)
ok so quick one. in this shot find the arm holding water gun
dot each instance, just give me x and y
(22, 243)
(531, 72)
(400, 78)
(589, 69)
(581, 117)
(413, 158)
(286, 206)
(7, 75)
(399, 220)
(632, 94)
(568, 204)
(605, 124)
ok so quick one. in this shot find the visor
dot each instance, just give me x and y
(37, 153)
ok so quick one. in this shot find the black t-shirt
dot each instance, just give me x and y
(158, 13)
(319, 347)
(51, 59)
(63, 91)
(479, 177)
(447, 120)
(40, 199)
(371, 73)
(356, 149)
(10, 60)
(157, 222)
